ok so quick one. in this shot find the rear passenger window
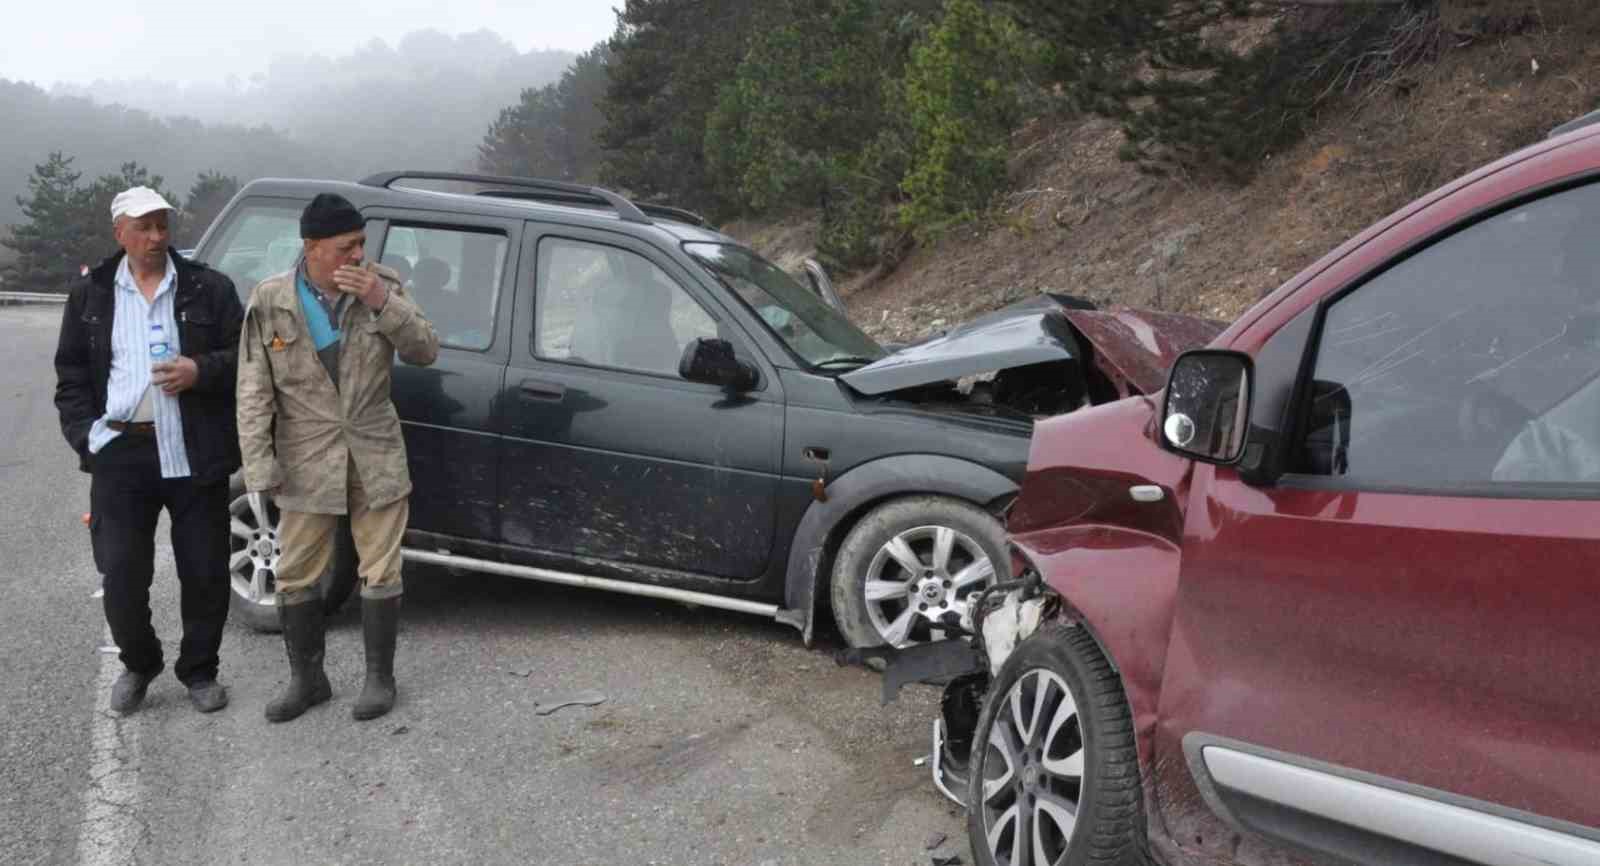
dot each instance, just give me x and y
(609, 307)
(1471, 366)
(454, 276)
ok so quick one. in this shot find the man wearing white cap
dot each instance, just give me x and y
(145, 372)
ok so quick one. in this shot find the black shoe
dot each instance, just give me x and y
(127, 693)
(380, 624)
(208, 696)
(304, 638)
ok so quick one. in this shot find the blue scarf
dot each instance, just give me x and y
(323, 333)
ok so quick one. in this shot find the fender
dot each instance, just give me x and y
(1122, 585)
(901, 475)
(1114, 559)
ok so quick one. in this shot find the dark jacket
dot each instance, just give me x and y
(209, 319)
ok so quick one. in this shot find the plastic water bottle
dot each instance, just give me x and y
(160, 348)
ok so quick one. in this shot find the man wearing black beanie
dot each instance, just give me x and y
(319, 433)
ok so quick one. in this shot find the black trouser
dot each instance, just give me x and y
(126, 498)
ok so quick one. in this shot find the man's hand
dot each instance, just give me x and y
(175, 377)
(364, 284)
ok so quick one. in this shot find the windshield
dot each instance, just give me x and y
(818, 333)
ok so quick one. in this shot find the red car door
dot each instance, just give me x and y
(1387, 654)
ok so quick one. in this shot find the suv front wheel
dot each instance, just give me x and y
(911, 562)
(253, 553)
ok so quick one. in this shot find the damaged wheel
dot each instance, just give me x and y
(910, 563)
(253, 553)
(1054, 775)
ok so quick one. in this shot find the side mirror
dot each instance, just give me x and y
(1207, 410)
(713, 362)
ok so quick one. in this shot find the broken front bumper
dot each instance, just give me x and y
(961, 669)
(964, 667)
(953, 734)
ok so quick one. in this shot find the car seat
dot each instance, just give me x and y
(628, 321)
(400, 265)
(428, 279)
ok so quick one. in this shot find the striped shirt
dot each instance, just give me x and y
(130, 368)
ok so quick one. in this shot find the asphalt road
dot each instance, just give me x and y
(722, 740)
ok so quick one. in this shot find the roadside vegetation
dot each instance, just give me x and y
(893, 120)
(872, 133)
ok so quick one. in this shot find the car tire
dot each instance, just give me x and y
(877, 597)
(1033, 751)
(252, 599)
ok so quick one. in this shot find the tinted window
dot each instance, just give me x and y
(454, 275)
(259, 241)
(1469, 366)
(609, 307)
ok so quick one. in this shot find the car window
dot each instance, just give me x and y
(260, 240)
(1470, 365)
(821, 335)
(454, 276)
(609, 307)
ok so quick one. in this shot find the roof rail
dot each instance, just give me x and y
(650, 208)
(1589, 119)
(677, 213)
(578, 192)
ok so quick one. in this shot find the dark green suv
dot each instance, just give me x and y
(628, 400)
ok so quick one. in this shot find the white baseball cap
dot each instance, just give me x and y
(136, 202)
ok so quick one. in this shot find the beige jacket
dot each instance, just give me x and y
(297, 432)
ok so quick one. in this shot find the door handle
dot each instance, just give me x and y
(538, 390)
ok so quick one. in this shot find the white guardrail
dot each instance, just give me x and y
(31, 298)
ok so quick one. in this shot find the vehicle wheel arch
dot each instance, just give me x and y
(857, 493)
(1134, 639)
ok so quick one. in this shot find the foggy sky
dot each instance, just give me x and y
(190, 41)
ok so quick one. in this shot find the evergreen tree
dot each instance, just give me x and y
(809, 97)
(49, 244)
(964, 97)
(553, 131)
(210, 193)
(811, 118)
(670, 57)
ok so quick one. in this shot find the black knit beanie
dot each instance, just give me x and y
(329, 214)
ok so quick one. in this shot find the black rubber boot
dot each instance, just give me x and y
(305, 640)
(380, 625)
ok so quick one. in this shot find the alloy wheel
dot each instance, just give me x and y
(918, 577)
(1033, 773)
(254, 549)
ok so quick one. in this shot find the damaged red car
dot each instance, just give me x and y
(1328, 598)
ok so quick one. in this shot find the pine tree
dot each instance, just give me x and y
(811, 118)
(211, 191)
(50, 242)
(553, 131)
(963, 90)
(669, 59)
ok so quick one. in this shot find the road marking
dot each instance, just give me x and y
(112, 827)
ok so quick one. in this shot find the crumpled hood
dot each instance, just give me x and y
(1137, 347)
(1131, 347)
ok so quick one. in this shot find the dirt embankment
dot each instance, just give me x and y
(1083, 222)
